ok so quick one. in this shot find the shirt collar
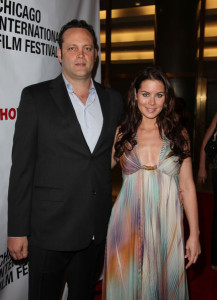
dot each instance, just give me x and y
(70, 89)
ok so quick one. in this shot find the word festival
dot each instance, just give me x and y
(28, 46)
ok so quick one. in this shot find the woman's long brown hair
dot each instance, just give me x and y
(167, 121)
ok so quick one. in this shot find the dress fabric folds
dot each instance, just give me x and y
(144, 257)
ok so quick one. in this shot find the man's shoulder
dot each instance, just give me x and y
(43, 85)
(107, 89)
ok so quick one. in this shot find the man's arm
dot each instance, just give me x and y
(21, 176)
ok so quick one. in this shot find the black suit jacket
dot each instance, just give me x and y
(60, 192)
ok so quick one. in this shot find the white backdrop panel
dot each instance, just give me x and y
(21, 65)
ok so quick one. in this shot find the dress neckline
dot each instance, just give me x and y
(154, 167)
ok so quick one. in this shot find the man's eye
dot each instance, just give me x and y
(88, 48)
(72, 48)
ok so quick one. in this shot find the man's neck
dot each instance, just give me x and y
(79, 85)
(81, 88)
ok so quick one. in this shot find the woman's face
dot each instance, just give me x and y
(150, 98)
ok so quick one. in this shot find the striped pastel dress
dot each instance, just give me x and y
(144, 257)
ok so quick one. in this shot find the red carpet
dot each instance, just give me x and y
(202, 279)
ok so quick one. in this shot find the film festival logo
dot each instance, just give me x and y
(18, 21)
(9, 272)
(21, 31)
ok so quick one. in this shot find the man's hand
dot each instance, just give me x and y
(17, 247)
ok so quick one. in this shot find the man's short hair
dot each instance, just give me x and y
(77, 24)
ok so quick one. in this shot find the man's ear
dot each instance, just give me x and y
(59, 54)
(96, 53)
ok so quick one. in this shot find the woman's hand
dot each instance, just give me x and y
(202, 175)
(193, 250)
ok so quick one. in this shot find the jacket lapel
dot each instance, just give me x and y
(104, 100)
(61, 98)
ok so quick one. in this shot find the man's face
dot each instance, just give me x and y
(78, 54)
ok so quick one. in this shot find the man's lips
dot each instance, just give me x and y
(80, 64)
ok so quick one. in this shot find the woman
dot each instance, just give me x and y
(202, 175)
(145, 257)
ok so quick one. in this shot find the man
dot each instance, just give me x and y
(60, 182)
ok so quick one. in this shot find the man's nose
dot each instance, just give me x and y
(80, 53)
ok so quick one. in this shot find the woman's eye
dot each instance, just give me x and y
(145, 94)
(159, 95)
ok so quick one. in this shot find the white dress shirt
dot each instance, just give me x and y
(89, 115)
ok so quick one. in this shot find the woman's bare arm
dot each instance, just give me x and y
(202, 174)
(189, 198)
(114, 160)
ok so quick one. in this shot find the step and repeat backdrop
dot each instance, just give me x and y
(28, 54)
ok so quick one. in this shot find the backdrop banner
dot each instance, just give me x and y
(28, 54)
